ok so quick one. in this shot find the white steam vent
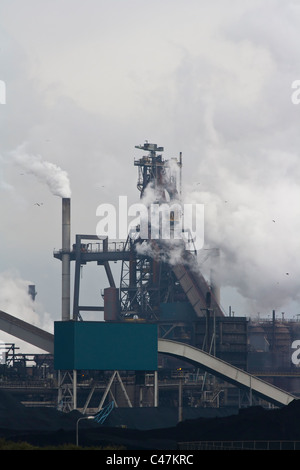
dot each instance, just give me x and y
(46, 172)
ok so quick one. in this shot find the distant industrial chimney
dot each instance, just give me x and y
(66, 244)
(31, 291)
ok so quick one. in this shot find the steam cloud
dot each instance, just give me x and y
(251, 221)
(254, 221)
(171, 249)
(15, 300)
(46, 172)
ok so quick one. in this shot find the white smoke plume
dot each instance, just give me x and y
(46, 172)
(171, 246)
(252, 216)
(14, 298)
(251, 220)
(4, 186)
(16, 301)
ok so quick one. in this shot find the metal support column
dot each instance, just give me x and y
(155, 389)
(74, 389)
(180, 400)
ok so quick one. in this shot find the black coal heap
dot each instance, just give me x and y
(46, 426)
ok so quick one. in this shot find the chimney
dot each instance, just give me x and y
(31, 291)
(66, 244)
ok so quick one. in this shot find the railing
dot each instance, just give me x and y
(239, 445)
(27, 384)
(97, 247)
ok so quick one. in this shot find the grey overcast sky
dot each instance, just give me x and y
(86, 81)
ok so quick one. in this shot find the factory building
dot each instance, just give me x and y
(161, 297)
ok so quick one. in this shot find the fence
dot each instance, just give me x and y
(240, 445)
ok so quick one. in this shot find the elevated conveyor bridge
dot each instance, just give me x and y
(195, 286)
(26, 332)
(226, 371)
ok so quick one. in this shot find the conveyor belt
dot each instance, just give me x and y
(226, 371)
(26, 332)
(195, 287)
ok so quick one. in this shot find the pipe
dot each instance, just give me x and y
(66, 244)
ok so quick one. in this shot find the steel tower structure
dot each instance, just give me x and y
(147, 279)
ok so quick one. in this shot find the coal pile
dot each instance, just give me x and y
(47, 426)
(19, 423)
(253, 423)
(249, 424)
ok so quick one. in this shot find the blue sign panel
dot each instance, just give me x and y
(105, 346)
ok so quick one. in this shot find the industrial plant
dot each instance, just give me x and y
(161, 337)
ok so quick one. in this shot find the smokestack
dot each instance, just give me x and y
(66, 244)
(31, 291)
